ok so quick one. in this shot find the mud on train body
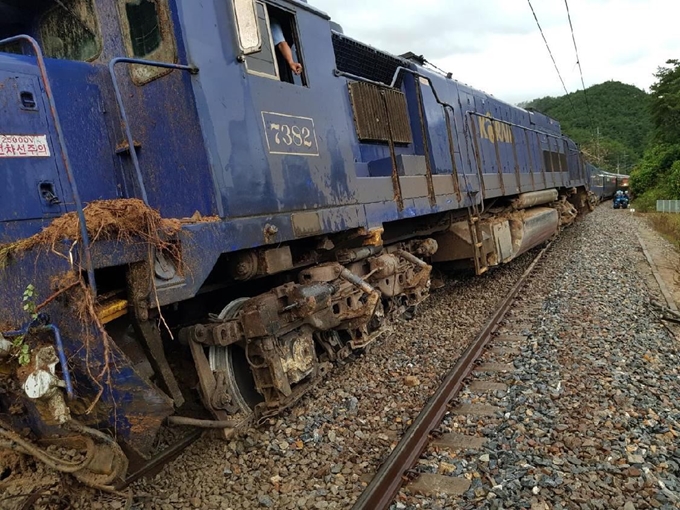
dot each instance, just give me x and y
(302, 213)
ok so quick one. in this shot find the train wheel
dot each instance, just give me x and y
(232, 362)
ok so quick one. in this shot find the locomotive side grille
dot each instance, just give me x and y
(554, 161)
(371, 113)
(362, 60)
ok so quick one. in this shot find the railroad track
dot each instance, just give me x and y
(155, 464)
(396, 470)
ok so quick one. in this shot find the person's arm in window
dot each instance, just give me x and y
(284, 48)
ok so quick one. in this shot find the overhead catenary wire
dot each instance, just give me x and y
(578, 62)
(551, 56)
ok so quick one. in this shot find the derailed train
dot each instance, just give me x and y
(604, 185)
(308, 210)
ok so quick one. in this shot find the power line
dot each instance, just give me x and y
(551, 55)
(578, 62)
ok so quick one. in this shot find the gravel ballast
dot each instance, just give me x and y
(591, 416)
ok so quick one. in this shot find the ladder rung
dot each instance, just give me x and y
(479, 245)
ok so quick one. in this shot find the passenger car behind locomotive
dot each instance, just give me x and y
(604, 185)
(310, 209)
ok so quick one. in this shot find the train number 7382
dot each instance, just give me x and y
(288, 134)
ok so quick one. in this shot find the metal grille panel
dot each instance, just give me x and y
(371, 114)
(356, 58)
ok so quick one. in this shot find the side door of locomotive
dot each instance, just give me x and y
(29, 175)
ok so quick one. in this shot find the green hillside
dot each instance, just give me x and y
(657, 176)
(622, 114)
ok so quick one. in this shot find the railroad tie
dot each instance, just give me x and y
(477, 409)
(453, 441)
(510, 339)
(486, 386)
(495, 367)
(506, 351)
(428, 484)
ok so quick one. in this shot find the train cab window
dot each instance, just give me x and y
(70, 31)
(270, 60)
(148, 35)
(145, 32)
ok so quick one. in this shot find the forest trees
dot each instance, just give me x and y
(658, 174)
(611, 122)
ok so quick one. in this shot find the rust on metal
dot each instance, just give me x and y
(380, 114)
(452, 151)
(531, 159)
(478, 158)
(497, 150)
(426, 143)
(514, 155)
(396, 183)
(544, 169)
(156, 463)
(388, 480)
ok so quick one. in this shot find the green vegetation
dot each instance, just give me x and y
(658, 174)
(22, 350)
(613, 127)
(626, 130)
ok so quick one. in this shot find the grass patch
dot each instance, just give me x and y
(667, 224)
(647, 201)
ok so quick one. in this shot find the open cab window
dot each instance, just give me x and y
(269, 60)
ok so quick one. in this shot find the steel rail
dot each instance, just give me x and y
(381, 491)
(163, 458)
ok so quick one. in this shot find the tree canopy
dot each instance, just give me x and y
(657, 177)
(665, 103)
(611, 122)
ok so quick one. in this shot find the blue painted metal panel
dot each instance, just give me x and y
(89, 125)
(129, 404)
(22, 175)
(252, 179)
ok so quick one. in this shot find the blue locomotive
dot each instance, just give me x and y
(194, 230)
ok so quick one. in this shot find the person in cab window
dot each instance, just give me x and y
(282, 45)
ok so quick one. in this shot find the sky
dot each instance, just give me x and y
(495, 45)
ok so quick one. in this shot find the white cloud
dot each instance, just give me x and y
(494, 45)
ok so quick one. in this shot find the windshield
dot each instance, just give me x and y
(69, 30)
